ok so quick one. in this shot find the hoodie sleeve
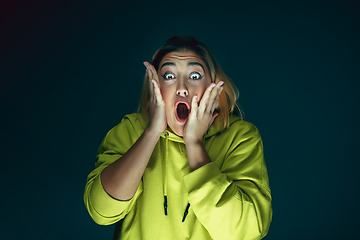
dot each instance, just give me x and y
(231, 196)
(104, 209)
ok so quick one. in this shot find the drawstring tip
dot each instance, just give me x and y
(186, 212)
(165, 205)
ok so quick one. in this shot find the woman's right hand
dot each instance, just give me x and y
(157, 104)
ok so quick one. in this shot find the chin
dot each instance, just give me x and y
(178, 129)
(180, 133)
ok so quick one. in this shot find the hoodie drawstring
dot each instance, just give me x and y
(165, 172)
(186, 212)
(166, 134)
(165, 204)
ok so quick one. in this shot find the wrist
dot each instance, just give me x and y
(197, 155)
(194, 146)
(193, 142)
(152, 131)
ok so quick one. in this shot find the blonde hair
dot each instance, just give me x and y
(228, 97)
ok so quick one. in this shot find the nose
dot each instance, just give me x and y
(182, 90)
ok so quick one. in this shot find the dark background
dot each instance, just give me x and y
(70, 70)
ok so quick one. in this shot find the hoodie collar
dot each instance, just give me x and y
(213, 130)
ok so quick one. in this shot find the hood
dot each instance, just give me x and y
(138, 119)
(213, 130)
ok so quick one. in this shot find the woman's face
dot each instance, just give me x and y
(182, 74)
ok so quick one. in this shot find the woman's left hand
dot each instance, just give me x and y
(202, 115)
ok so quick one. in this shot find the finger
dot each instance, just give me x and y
(157, 92)
(213, 118)
(212, 100)
(214, 95)
(216, 101)
(153, 72)
(205, 98)
(149, 73)
(194, 106)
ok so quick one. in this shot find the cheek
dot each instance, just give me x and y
(200, 91)
(165, 93)
(204, 85)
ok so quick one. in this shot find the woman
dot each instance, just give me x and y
(185, 167)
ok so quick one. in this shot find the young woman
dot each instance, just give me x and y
(186, 166)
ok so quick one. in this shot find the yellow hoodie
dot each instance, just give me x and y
(228, 198)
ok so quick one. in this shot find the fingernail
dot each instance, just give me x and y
(212, 86)
(221, 89)
(146, 65)
(221, 83)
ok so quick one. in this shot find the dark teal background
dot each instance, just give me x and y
(70, 70)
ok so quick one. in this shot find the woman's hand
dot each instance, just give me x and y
(157, 105)
(202, 115)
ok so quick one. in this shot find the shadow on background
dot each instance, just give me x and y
(71, 70)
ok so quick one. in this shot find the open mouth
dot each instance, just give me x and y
(182, 111)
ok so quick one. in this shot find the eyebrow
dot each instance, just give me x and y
(189, 64)
(196, 64)
(167, 64)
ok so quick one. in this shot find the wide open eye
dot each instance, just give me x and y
(195, 76)
(168, 76)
